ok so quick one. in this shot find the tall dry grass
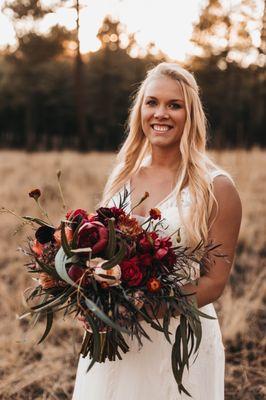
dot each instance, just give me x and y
(47, 371)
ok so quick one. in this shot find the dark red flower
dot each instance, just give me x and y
(117, 212)
(77, 217)
(75, 213)
(145, 243)
(145, 260)
(93, 235)
(155, 213)
(131, 273)
(171, 258)
(153, 285)
(44, 234)
(35, 194)
(75, 273)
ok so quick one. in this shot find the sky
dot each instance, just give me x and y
(167, 23)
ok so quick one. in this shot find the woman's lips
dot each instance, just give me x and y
(161, 128)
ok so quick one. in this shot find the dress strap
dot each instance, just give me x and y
(219, 172)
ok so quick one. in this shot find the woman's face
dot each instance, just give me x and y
(163, 113)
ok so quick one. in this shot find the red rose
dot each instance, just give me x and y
(131, 273)
(93, 235)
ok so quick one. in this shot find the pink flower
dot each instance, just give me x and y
(162, 247)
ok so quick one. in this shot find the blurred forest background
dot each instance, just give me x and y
(54, 97)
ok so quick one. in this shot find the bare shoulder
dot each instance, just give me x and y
(228, 199)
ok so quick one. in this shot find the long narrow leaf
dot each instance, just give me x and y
(64, 241)
(184, 340)
(37, 221)
(96, 342)
(103, 317)
(49, 323)
(46, 268)
(118, 257)
(111, 246)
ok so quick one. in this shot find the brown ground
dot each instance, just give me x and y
(47, 371)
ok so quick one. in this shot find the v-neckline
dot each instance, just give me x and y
(128, 185)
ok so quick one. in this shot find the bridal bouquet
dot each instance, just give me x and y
(110, 273)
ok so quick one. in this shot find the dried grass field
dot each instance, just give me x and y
(47, 371)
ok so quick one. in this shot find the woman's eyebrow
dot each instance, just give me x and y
(155, 98)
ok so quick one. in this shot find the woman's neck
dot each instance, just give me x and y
(169, 159)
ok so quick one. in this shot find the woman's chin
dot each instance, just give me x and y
(163, 142)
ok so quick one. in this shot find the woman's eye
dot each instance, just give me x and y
(175, 106)
(151, 102)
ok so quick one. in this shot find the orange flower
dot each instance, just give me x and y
(37, 248)
(46, 281)
(155, 213)
(129, 225)
(68, 232)
(153, 285)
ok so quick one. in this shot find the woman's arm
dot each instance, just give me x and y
(224, 231)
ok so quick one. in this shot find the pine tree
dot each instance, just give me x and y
(223, 33)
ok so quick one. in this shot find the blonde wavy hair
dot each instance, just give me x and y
(195, 164)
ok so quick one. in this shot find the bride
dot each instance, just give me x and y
(164, 154)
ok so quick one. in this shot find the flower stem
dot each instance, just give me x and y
(60, 190)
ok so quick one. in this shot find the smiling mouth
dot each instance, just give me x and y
(161, 128)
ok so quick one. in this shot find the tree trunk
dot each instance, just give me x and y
(29, 126)
(79, 93)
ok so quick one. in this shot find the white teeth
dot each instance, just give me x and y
(161, 128)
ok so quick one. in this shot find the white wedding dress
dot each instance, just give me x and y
(147, 373)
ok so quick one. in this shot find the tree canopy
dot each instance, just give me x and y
(52, 97)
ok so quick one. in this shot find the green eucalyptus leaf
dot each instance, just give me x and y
(61, 259)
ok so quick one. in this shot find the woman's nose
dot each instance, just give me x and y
(161, 113)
